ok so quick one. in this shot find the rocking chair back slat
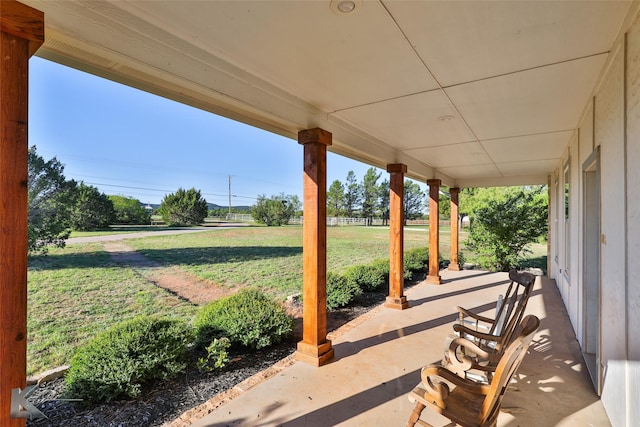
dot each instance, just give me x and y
(475, 350)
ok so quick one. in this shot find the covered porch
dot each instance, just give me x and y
(378, 361)
(406, 86)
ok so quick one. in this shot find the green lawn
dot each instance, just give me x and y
(78, 291)
(74, 293)
(268, 257)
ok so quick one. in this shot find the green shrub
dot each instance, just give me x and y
(340, 291)
(248, 318)
(383, 266)
(217, 355)
(184, 208)
(117, 362)
(504, 227)
(415, 261)
(367, 277)
(461, 259)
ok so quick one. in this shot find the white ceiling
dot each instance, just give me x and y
(473, 93)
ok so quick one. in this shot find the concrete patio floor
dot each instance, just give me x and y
(378, 359)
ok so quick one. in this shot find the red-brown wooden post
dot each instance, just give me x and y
(434, 232)
(21, 34)
(314, 348)
(455, 233)
(396, 298)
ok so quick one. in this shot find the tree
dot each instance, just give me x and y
(275, 211)
(506, 225)
(129, 211)
(444, 206)
(90, 209)
(384, 201)
(49, 196)
(473, 199)
(370, 194)
(413, 200)
(183, 208)
(335, 199)
(352, 195)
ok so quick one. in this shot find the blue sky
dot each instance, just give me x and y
(128, 142)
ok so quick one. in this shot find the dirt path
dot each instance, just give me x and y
(173, 279)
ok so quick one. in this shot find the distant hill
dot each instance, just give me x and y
(211, 207)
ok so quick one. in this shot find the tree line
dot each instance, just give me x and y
(504, 220)
(366, 199)
(57, 206)
(369, 199)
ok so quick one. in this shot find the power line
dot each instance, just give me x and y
(167, 191)
(153, 167)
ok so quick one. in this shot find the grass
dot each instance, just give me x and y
(270, 258)
(75, 292)
(537, 258)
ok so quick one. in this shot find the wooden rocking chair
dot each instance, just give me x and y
(471, 349)
(471, 404)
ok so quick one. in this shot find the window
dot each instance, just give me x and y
(556, 214)
(567, 234)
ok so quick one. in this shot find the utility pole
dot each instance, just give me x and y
(229, 195)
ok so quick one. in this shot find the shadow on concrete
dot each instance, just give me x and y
(415, 303)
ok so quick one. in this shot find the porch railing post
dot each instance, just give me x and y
(434, 232)
(21, 33)
(396, 298)
(314, 348)
(454, 265)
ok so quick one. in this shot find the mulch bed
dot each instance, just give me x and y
(165, 401)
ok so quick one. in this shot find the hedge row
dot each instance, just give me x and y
(344, 289)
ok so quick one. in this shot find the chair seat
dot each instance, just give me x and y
(462, 408)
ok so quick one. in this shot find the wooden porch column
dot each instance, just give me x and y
(314, 348)
(434, 232)
(396, 298)
(455, 233)
(21, 34)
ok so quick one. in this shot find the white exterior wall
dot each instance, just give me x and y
(632, 371)
(633, 190)
(611, 122)
(609, 134)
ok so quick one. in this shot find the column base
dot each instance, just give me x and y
(314, 355)
(434, 280)
(398, 303)
(454, 267)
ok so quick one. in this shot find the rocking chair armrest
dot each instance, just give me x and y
(432, 376)
(458, 359)
(463, 331)
(466, 313)
(465, 344)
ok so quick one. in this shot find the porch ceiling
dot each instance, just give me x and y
(473, 93)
